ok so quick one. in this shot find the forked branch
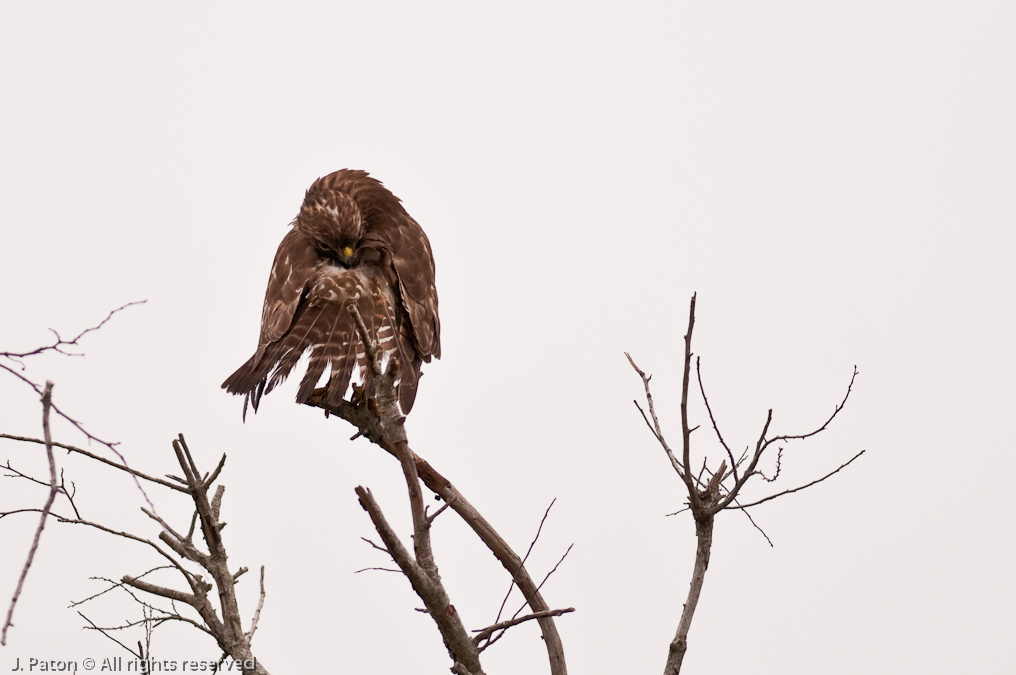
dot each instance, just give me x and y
(227, 630)
(421, 568)
(388, 432)
(706, 500)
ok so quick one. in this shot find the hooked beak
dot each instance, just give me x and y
(346, 256)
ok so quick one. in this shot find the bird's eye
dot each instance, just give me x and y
(347, 251)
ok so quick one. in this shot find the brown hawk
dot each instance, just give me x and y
(352, 244)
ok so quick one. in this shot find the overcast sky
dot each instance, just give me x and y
(834, 180)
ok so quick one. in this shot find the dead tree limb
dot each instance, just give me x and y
(98, 458)
(706, 499)
(58, 346)
(536, 615)
(529, 551)
(54, 489)
(485, 633)
(227, 630)
(219, 613)
(369, 427)
(421, 567)
(429, 588)
(386, 430)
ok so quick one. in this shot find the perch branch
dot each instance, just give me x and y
(370, 429)
(421, 569)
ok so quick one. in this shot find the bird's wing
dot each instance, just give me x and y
(294, 268)
(414, 266)
(295, 264)
(323, 326)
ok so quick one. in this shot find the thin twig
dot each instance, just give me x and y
(554, 568)
(103, 631)
(378, 547)
(759, 528)
(483, 633)
(90, 455)
(60, 342)
(115, 585)
(378, 569)
(432, 517)
(797, 489)
(189, 576)
(539, 529)
(760, 446)
(716, 428)
(57, 346)
(779, 460)
(836, 411)
(535, 615)
(16, 511)
(655, 426)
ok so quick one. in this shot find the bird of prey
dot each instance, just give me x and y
(352, 244)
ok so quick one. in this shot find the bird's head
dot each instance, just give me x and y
(332, 222)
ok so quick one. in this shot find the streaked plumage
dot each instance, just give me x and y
(352, 243)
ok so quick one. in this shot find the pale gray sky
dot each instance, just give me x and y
(835, 180)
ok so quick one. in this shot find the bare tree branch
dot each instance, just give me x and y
(764, 443)
(377, 569)
(704, 538)
(685, 430)
(554, 568)
(189, 576)
(113, 585)
(12, 512)
(655, 426)
(431, 518)
(191, 599)
(705, 501)
(90, 455)
(257, 612)
(227, 631)
(760, 447)
(59, 344)
(421, 569)
(836, 411)
(369, 427)
(709, 409)
(54, 488)
(58, 347)
(763, 532)
(798, 489)
(484, 633)
(779, 461)
(539, 529)
(460, 646)
(536, 615)
(103, 631)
